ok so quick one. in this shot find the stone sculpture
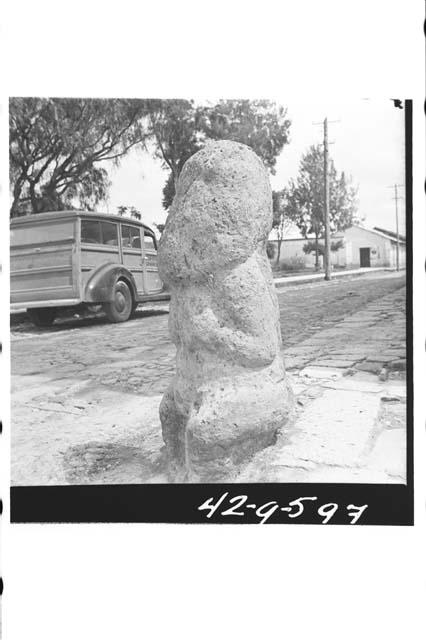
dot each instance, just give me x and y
(230, 395)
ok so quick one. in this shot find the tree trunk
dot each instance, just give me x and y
(33, 196)
(317, 266)
(277, 261)
(175, 174)
(17, 190)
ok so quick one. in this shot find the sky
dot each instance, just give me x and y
(367, 144)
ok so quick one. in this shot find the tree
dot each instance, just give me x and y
(131, 211)
(135, 213)
(260, 124)
(57, 146)
(174, 126)
(281, 220)
(312, 247)
(180, 128)
(160, 226)
(305, 198)
(270, 250)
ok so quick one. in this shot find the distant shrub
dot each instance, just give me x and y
(270, 250)
(295, 263)
(309, 247)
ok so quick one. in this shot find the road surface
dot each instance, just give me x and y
(83, 389)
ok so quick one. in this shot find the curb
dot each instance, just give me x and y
(280, 282)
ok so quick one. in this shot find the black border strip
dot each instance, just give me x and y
(168, 503)
(408, 104)
(173, 503)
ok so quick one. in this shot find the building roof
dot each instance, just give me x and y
(383, 233)
(391, 234)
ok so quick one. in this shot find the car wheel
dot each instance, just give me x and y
(42, 317)
(120, 307)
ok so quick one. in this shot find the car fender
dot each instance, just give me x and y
(100, 285)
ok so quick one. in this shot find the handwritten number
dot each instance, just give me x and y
(357, 512)
(209, 505)
(328, 510)
(299, 504)
(265, 511)
(240, 500)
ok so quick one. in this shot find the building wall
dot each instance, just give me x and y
(402, 255)
(382, 250)
(293, 249)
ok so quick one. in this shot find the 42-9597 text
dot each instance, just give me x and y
(239, 506)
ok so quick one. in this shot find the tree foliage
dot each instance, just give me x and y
(260, 124)
(174, 126)
(305, 197)
(282, 217)
(180, 128)
(133, 212)
(160, 226)
(312, 247)
(57, 146)
(270, 250)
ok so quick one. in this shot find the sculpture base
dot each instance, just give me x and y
(227, 425)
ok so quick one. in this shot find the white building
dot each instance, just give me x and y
(362, 247)
(372, 247)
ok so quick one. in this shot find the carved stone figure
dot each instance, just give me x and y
(229, 396)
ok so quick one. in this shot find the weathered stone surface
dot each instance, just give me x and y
(389, 453)
(371, 366)
(340, 364)
(230, 394)
(398, 365)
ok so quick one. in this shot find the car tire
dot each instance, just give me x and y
(120, 307)
(42, 317)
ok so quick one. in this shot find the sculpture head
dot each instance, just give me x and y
(221, 212)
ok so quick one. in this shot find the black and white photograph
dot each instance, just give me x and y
(208, 292)
(212, 339)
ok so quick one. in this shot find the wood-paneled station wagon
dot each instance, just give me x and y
(69, 258)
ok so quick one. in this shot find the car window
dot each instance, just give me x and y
(91, 231)
(109, 233)
(130, 236)
(149, 242)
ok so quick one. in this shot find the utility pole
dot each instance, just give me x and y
(327, 260)
(396, 198)
(327, 265)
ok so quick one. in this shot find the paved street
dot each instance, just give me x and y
(85, 393)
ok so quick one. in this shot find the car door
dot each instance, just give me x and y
(152, 280)
(132, 255)
(99, 245)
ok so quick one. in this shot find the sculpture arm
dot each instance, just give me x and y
(232, 343)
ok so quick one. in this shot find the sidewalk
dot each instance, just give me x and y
(334, 274)
(351, 422)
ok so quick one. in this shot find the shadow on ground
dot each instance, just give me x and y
(20, 322)
(100, 462)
